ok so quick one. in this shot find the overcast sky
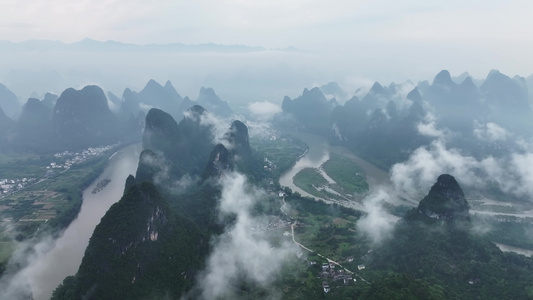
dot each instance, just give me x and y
(274, 23)
(412, 38)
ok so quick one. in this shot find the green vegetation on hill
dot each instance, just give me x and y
(510, 231)
(140, 249)
(185, 147)
(437, 242)
(427, 256)
(153, 242)
(6, 249)
(399, 286)
(465, 265)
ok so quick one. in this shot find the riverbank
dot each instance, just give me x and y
(319, 152)
(316, 154)
(63, 258)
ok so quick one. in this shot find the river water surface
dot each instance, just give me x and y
(316, 155)
(48, 270)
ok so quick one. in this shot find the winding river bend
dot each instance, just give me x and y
(318, 153)
(49, 270)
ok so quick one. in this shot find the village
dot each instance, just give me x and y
(331, 272)
(65, 160)
(8, 186)
(72, 158)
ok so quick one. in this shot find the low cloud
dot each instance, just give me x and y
(491, 132)
(260, 129)
(511, 174)
(400, 97)
(183, 183)
(362, 85)
(15, 282)
(159, 164)
(112, 106)
(264, 109)
(240, 252)
(428, 127)
(426, 163)
(219, 127)
(145, 107)
(519, 173)
(376, 223)
(161, 177)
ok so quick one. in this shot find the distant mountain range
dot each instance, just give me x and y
(82, 118)
(9, 102)
(114, 46)
(166, 98)
(384, 125)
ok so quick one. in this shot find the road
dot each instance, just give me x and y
(327, 258)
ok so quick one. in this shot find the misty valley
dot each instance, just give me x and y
(400, 191)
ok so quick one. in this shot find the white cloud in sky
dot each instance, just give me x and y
(239, 21)
(137, 21)
(462, 20)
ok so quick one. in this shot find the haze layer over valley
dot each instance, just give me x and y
(239, 150)
(370, 159)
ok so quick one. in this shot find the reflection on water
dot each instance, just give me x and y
(64, 259)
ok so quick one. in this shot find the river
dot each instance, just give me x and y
(318, 153)
(48, 270)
